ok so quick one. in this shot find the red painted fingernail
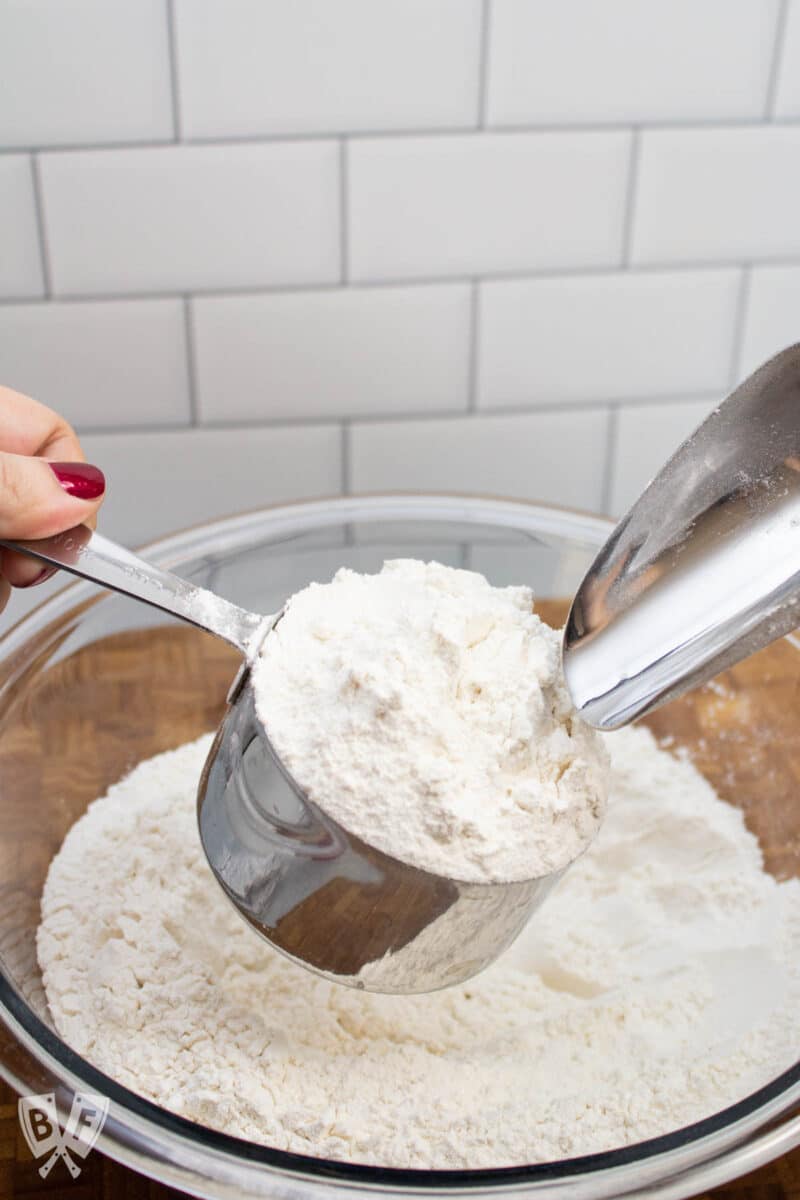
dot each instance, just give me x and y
(45, 573)
(81, 480)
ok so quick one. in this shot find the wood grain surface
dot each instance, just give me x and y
(85, 721)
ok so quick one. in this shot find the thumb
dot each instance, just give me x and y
(39, 498)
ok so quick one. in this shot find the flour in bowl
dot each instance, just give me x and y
(658, 984)
(426, 712)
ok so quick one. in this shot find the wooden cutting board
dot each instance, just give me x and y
(753, 710)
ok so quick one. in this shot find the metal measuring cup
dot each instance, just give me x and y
(318, 894)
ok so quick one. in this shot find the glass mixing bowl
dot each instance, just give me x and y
(92, 683)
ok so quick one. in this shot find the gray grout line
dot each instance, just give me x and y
(678, 124)
(611, 449)
(345, 452)
(465, 130)
(474, 346)
(483, 64)
(22, 301)
(344, 208)
(739, 320)
(630, 198)
(82, 147)
(777, 58)
(608, 270)
(345, 422)
(191, 360)
(229, 426)
(41, 228)
(197, 293)
(172, 47)
(127, 430)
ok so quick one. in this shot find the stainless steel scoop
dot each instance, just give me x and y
(321, 896)
(703, 570)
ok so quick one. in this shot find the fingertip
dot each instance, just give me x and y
(22, 571)
(19, 569)
(41, 577)
(39, 498)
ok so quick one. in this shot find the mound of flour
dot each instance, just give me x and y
(657, 985)
(425, 710)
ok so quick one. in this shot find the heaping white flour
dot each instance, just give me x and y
(426, 711)
(658, 984)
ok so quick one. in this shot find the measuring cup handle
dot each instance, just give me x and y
(91, 556)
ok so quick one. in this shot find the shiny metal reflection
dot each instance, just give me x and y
(325, 898)
(705, 568)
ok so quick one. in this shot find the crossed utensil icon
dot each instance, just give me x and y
(38, 1117)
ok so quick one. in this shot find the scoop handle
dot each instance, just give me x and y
(97, 558)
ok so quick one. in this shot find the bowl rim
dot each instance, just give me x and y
(144, 1135)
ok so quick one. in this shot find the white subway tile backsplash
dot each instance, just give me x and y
(120, 363)
(185, 217)
(263, 66)
(772, 320)
(333, 353)
(160, 482)
(485, 203)
(616, 336)
(581, 61)
(787, 98)
(20, 261)
(557, 457)
(717, 194)
(86, 71)
(647, 435)
(390, 214)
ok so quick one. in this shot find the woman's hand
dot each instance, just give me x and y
(46, 485)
